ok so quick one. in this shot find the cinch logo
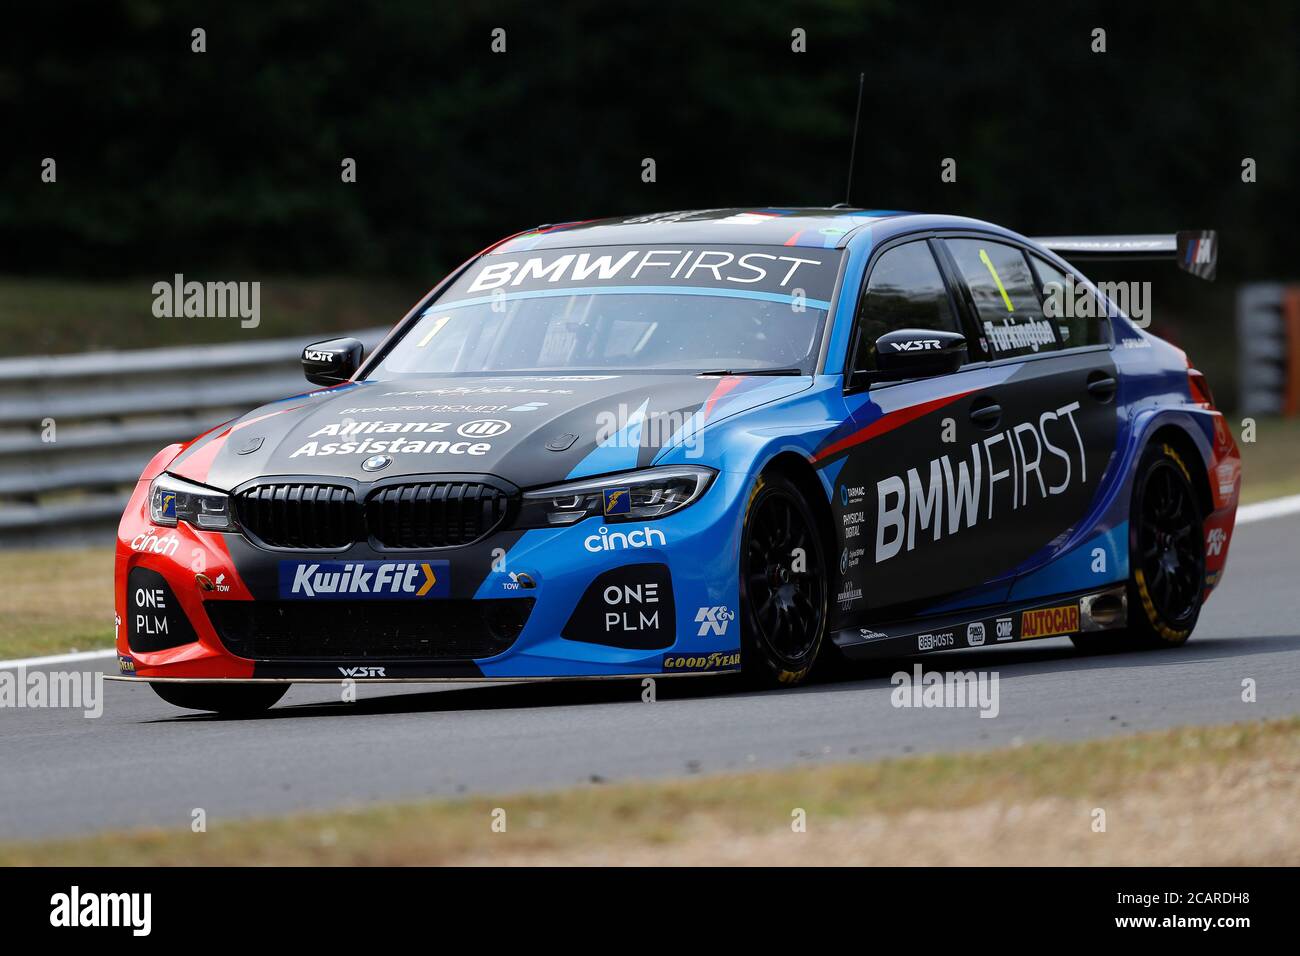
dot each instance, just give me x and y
(1049, 621)
(149, 540)
(608, 540)
(383, 580)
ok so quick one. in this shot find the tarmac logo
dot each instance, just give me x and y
(384, 580)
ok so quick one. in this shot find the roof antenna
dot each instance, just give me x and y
(853, 149)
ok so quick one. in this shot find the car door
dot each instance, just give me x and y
(906, 467)
(1048, 416)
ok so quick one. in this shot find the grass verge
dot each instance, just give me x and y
(48, 316)
(55, 601)
(1195, 796)
(1270, 465)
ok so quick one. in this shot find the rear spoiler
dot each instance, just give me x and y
(1196, 252)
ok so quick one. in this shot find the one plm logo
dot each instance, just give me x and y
(618, 501)
(714, 619)
(378, 580)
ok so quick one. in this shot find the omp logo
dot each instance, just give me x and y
(917, 345)
(1049, 621)
(362, 672)
(386, 580)
(1006, 628)
(75, 908)
(608, 540)
(483, 428)
(714, 619)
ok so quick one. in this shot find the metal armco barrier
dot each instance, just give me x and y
(1268, 337)
(109, 413)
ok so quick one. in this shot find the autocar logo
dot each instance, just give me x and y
(618, 501)
(483, 428)
(376, 462)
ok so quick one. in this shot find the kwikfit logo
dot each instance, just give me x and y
(380, 580)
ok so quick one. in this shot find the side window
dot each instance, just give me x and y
(904, 291)
(1079, 315)
(1006, 299)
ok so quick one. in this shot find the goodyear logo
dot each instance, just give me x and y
(1049, 621)
(167, 503)
(618, 501)
(376, 580)
(125, 665)
(702, 662)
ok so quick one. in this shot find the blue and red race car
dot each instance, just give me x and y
(693, 443)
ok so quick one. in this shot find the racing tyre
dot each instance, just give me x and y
(1166, 557)
(236, 700)
(783, 590)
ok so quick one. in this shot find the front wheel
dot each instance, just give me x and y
(783, 594)
(236, 700)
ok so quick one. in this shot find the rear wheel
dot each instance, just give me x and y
(1166, 557)
(783, 589)
(232, 699)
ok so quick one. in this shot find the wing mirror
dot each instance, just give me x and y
(332, 362)
(918, 353)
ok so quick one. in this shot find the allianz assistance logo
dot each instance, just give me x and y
(377, 580)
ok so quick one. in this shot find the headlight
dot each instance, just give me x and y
(630, 496)
(172, 499)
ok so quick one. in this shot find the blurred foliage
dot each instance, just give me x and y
(173, 161)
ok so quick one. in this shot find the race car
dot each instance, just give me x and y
(696, 443)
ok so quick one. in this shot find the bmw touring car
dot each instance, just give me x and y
(695, 443)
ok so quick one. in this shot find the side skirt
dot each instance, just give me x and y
(1102, 610)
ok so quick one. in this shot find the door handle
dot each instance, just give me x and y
(1101, 386)
(986, 413)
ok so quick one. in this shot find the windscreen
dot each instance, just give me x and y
(625, 309)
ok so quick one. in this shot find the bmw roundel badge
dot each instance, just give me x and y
(376, 462)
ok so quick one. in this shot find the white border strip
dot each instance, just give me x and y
(58, 659)
(1273, 508)
(1246, 514)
